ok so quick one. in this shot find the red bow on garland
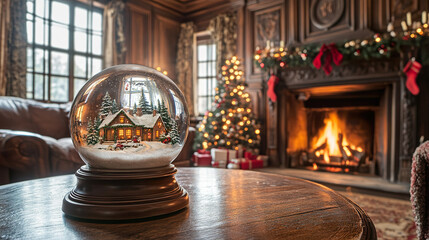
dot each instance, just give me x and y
(331, 54)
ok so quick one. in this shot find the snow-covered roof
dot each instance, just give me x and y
(146, 120)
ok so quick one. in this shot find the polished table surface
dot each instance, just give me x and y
(224, 204)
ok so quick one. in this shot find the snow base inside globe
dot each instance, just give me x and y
(131, 156)
(128, 123)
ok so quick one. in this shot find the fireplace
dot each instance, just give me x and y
(359, 120)
(335, 128)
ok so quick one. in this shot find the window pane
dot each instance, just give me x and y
(81, 17)
(96, 44)
(97, 22)
(29, 59)
(38, 87)
(60, 63)
(60, 36)
(80, 66)
(60, 12)
(202, 87)
(212, 52)
(78, 84)
(202, 105)
(30, 6)
(80, 41)
(29, 82)
(202, 52)
(214, 84)
(59, 89)
(96, 66)
(212, 69)
(40, 59)
(40, 8)
(40, 32)
(29, 32)
(202, 69)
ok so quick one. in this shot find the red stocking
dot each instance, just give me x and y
(272, 82)
(412, 69)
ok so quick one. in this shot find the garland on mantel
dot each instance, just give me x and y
(379, 46)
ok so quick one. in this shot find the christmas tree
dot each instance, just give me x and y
(231, 124)
(114, 108)
(144, 104)
(106, 106)
(174, 133)
(163, 111)
(92, 136)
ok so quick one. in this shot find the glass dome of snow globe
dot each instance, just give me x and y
(129, 117)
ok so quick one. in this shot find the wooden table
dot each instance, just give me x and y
(224, 204)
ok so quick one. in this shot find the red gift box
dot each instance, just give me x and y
(250, 156)
(202, 160)
(251, 164)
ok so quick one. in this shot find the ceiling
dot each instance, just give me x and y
(187, 7)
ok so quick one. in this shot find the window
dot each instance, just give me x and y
(128, 133)
(138, 132)
(121, 119)
(206, 73)
(64, 48)
(121, 133)
(157, 134)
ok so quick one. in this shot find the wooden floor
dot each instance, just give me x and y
(368, 183)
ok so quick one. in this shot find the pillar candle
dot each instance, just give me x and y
(404, 26)
(409, 19)
(424, 17)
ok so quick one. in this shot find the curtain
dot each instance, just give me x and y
(16, 68)
(223, 30)
(184, 64)
(114, 37)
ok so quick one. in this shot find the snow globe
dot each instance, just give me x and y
(128, 123)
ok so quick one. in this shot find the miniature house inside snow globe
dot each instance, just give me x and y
(128, 123)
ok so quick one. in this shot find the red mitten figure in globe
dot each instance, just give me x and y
(272, 82)
(412, 69)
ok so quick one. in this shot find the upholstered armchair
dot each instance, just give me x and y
(419, 190)
(34, 140)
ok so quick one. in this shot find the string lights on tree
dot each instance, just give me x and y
(231, 122)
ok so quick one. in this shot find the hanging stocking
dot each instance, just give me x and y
(412, 69)
(272, 82)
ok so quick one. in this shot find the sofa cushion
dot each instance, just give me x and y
(47, 119)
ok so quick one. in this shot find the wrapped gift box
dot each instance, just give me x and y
(202, 159)
(221, 157)
(251, 164)
(264, 159)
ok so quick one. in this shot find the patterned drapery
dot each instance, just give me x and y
(223, 30)
(184, 64)
(114, 36)
(16, 69)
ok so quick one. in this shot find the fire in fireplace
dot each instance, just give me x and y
(340, 140)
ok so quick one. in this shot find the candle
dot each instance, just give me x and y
(404, 26)
(268, 45)
(282, 44)
(424, 17)
(409, 18)
(390, 27)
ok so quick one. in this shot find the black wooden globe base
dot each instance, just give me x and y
(102, 194)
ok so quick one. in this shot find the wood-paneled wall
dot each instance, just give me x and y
(152, 33)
